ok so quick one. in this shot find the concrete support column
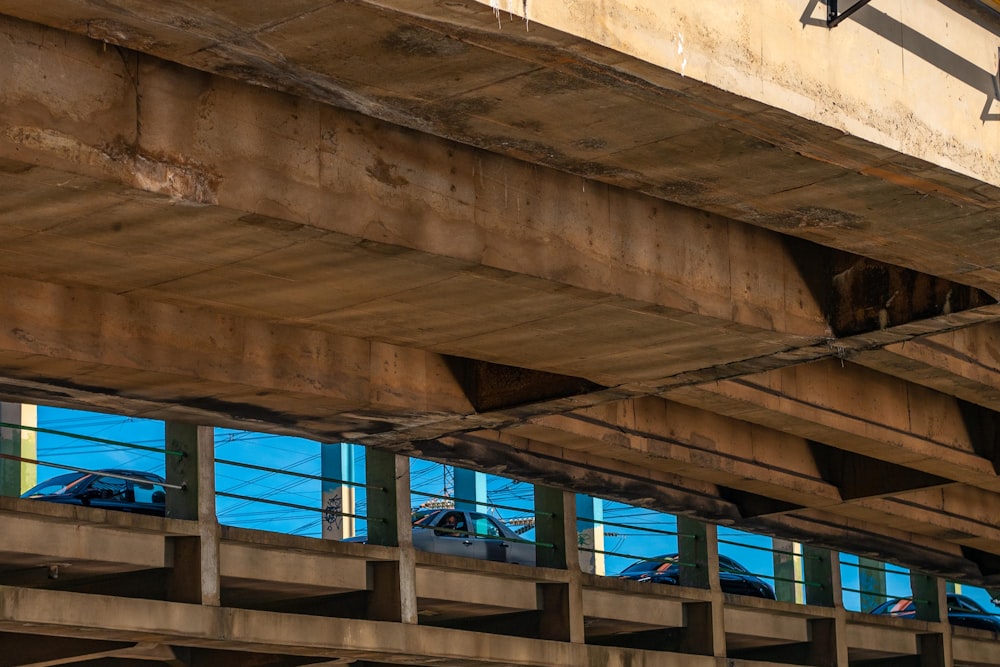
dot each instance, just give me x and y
(931, 602)
(821, 568)
(16, 477)
(561, 604)
(392, 585)
(821, 571)
(470, 490)
(929, 597)
(337, 463)
(871, 581)
(194, 576)
(590, 531)
(788, 571)
(698, 556)
(698, 553)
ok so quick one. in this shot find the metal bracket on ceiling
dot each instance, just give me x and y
(834, 17)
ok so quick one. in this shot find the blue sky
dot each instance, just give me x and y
(303, 456)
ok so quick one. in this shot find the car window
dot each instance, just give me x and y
(485, 527)
(731, 566)
(60, 485)
(452, 524)
(660, 564)
(901, 606)
(148, 493)
(110, 488)
(959, 603)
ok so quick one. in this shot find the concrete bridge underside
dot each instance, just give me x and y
(709, 283)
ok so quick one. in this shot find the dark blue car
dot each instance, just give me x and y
(733, 577)
(962, 610)
(121, 490)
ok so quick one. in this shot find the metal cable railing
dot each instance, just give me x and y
(88, 438)
(102, 473)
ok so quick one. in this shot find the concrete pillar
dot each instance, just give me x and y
(590, 531)
(698, 556)
(788, 572)
(391, 584)
(698, 553)
(337, 463)
(16, 477)
(931, 602)
(821, 568)
(561, 604)
(821, 573)
(194, 575)
(470, 490)
(871, 581)
(929, 597)
(555, 529)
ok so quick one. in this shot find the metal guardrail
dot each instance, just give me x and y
(88, 438)
(103, 473)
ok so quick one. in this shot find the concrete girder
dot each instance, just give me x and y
(963, 363)
(454, 71)
(762, 475)
(610, 471)
(167, 360)
(853, 408)
(199, 627)
(772, 471)
(727, 300)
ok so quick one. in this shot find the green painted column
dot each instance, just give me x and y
(590, 531)
(338, 497)
(821, 575)
(470, 490)
(698, 553)
(698, 556)
(788, 572)
(16, 477)
(560, 604)
(929, 597)
(931, 602)
(194, 575)
(387, 479)
(392, 589)
(821, 569)
(871, 581)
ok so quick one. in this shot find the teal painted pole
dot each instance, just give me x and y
(589, 515)
(337, 463)
(470, 490)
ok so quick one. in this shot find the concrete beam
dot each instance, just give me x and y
(963, 363)
(644, 116)
(199, 143)
(860, 411)
(100, 617)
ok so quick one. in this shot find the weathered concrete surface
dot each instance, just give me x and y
(404, 222)
(300, 606)
(917, 77)
(453, 70)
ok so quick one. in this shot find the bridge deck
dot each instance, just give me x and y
(290, 596)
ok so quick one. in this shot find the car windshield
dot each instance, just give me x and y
(57, 486)
(659, 564)
(965, 604)
(663, 563)
(727, 564)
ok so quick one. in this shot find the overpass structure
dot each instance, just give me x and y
(720, 259)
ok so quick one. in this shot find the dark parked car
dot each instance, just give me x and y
(962, 610)
(733, 577)
(121, 490)
(470, 534)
